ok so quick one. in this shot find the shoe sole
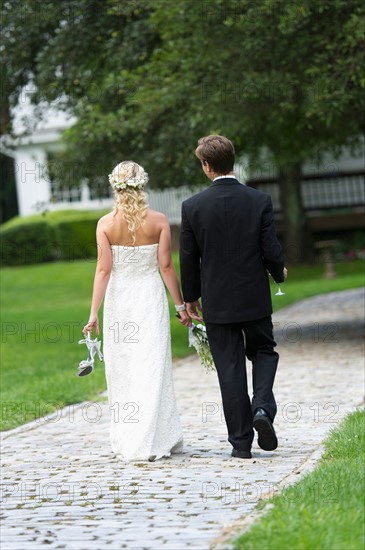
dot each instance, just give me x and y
(85, 371)
(267, 439)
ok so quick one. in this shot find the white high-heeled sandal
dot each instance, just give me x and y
(93, 346)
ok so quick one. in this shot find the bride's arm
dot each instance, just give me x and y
(167, 270)
(101, 279)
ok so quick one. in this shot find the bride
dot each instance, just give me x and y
(134, 244)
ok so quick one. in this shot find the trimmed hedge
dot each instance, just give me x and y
(63, 235)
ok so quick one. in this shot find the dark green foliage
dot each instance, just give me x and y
(54, 236)
(77, 239)
(28, 244)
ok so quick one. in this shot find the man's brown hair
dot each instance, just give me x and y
(218, 151)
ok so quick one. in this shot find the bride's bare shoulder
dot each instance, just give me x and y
(156, 215)
(106, 220)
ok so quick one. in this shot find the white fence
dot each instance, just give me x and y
(329, 192)
(169, 201)
(337, 192)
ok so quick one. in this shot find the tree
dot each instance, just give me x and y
(279, 76)
(147, 79)
(67, 53)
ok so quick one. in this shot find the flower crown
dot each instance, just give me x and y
(138, 182)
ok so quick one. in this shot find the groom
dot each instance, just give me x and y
(227, 246)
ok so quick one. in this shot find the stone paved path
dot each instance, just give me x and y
(62, 487)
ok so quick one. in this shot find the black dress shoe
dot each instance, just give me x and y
(241, 454)
(267, 439)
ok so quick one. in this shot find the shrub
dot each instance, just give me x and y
(62, 235)
(28, 244)
(77, 239)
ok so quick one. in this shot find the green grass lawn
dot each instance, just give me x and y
(44, 308)
(325, 510)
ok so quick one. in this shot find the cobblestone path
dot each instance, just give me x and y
(62, 487)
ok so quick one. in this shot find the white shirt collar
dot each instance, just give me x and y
(221, 177)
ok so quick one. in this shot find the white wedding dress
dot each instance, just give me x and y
(145, 423)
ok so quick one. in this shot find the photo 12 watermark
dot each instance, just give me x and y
(291, 412)
(51, 412)
(241, 492)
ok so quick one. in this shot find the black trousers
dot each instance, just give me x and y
(230, 344)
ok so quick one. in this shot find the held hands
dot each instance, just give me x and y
(192, 309)
(184, 318)
(92, 323)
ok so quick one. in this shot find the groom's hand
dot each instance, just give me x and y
(192, 309)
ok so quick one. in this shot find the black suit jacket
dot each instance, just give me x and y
(227, 244)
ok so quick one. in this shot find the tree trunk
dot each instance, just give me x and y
(298, 243)
(4, 118)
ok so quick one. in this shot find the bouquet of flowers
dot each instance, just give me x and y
(199, 340)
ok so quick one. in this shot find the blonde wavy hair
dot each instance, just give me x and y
(128, 180)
